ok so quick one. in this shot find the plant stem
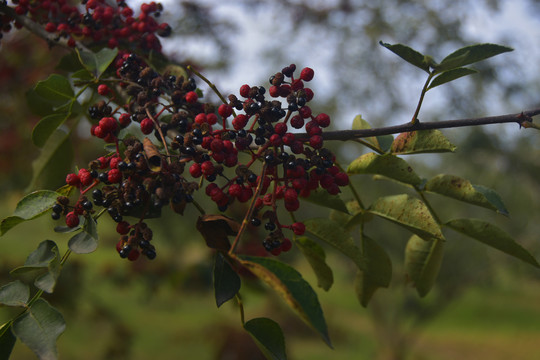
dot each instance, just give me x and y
(422, 94)
(212, 86)
(522, 119)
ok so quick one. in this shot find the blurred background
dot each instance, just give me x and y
(484, 305)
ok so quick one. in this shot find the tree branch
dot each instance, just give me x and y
(523, 119)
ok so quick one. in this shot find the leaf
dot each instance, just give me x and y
(388, 165)
(380, 142)
(39, 328)
(450, 75)
(493, 236)
(424, 141)
(7, 341)
(461, 189)
(423, 259)
(268, 337)
(377, 272)
(470, 54)
(45, 127)
(332, 233)
(323, 198)
(408, 54)
(493, 198)
(45, 260)
(29, 207)
(215, 229)
(97, 63)
(226, 280)
(85, 241)
(408, 212)
(56, 89)
(56, 156)
(290, 285)
(37, 104)
(15, 293)
(316, 258)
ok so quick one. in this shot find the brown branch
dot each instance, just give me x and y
(523, 119)
(35, 28)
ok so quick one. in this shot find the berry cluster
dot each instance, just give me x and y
(97, 22)
(139, 178)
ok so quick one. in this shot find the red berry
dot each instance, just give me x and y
(73, 180)
(309, 94)
(195, 170)
(50, 27)
(298, 228)
(114, 176)
(100, 132)
(72, 219)
(207, 168)
(192, 97)
(286, 245)
(290, 195)
(240, 121)
(122, 227)
(133, 255)
(297, 122)
(341, 179)
(326, 181)
(108, 124)
(124, 119)
(280, 128)
(235, 190)
(292, 205)
(275, 140)
(305, 111)
(200, 118)
(103, 90)
(244, 90)
(113, 163)
(276, 251)
(85, 176)
(307, 74)
(225, 110)
(285, 90)
(297, 84)
(323, 120)
(216, 145)
(147, 126)
(316, 141)
(246, 194)
(274, 91)
(288, 139)
(211, 119)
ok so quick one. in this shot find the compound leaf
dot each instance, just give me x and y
(56, 89)
(377, 272)
(408, 212)
(29, 207)
(316, 258)
(97, 63)
(290, 285)
(423, 259)
(450, 75)
(493, 236)
(382, 142)
(268, 337)
(424, 141)
(323, 198)
(15, 293)
(387, 165)
(470, 54)
(410, 55)
(226, 280)
(39, 327)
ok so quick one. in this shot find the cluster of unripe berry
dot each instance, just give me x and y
(96, 21)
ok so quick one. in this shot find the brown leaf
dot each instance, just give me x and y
(215, 229)
(152, 155)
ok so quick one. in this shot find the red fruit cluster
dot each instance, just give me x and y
(97, 22)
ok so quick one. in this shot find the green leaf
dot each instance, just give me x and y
(85, 241)
(388, 165)
(97, 63)
(7, 341)
(423, 259)
(377, 272)
(15, 293)
(45, 261)
(268, 337)
(37, 104)
(410, 55)
(450, 75)
(332, 233)
(83, 74)
(29, 207)
(470, 54)
(382, 143)
(461, 189)
(408, 212)
(39, 327)
(323, 198)
(424, 141)
(55, 158)
(290, 285)
(56, 90)
(226, 280)
(316, 258)
(45, 127)
(493, 198)
(493, 236)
